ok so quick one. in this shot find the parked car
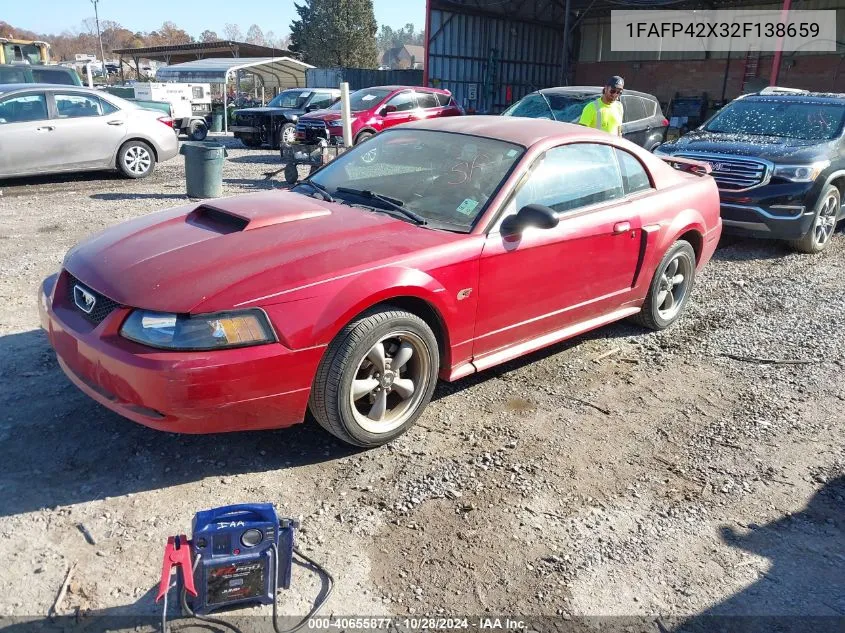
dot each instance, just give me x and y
(778, 157)
(48, 129)
(376, 109)
(461, 246)
(38, 74)
(643, 123)
(275, 123)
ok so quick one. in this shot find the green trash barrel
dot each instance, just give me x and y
(216, 121)
(204, 168)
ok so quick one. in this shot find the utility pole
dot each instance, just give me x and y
(99, 37)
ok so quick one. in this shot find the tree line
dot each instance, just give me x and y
(324, 33)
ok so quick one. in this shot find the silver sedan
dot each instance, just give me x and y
(46, 128)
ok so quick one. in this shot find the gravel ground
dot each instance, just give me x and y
(673, 478)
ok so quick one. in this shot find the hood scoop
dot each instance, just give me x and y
(247, 213)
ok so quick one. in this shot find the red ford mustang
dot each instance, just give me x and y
(467, 242)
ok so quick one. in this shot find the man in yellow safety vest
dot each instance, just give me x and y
(605, 113)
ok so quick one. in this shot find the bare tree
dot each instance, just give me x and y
(233, 32)
(255, 35)
(209, 36)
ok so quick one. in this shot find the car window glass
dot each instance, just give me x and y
(76, 106)
(427, 100)
(43, 75)
(321, 100)
(25, 108)
(404, 101)
(571, 177)
(107, 107)
(634, 176)
(444, 99)
(568, 108)
(532, 107)
(633, 108)
(12, 76)
(650, 107)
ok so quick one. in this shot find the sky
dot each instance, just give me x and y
(195, 16)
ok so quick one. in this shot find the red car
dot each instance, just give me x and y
(467, 242)
(376, 109)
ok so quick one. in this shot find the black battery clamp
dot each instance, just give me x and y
(238, 555)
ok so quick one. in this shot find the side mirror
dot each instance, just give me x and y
(388, 109)
(530, 215)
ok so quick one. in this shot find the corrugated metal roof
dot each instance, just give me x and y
(275, 72)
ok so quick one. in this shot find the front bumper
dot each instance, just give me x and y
(775, 210)
(250, 388)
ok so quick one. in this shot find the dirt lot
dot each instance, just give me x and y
(666, 479)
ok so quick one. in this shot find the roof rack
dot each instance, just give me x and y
(772, 90)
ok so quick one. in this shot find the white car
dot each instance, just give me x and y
(46, 128)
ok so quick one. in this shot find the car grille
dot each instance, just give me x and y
(103, 306)
(311, 130)
(734, 174)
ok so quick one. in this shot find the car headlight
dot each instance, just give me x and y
(201, 332)
(335, 123)
(800, 173)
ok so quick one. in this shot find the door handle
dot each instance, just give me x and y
(621, 227)
(46, 128)
(114, 122)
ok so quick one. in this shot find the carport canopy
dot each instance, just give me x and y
(275, 72)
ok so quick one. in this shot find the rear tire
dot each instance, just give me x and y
(824, 224)
(136, 159)
(670, 288)
(376, 377)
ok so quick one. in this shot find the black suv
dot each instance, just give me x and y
(275, 123)
(778, 157)
(643, 122)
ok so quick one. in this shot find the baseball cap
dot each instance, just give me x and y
(616, 82)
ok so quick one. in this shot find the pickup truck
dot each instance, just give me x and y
(38, 74)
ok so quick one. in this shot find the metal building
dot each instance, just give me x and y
(490, 53)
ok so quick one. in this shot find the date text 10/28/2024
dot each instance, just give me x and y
(418, 623)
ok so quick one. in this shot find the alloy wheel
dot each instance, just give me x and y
(137, 160)
(825, 222)
(390, 381)
(674, 286)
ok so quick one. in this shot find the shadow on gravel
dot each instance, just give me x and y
(259, 159)
(804, 588)
(59, 447)
(139, 196)
(55, 179)
(250, 184)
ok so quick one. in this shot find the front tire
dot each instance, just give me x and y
(670, 288)
(824, 224)
(376, 377)
(136, 159)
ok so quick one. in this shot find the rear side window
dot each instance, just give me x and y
(634, 176)
(404, 101)
(12, 76)
(650, 107)
(634, 109)
(25, 108)
(444, 99)
(427, 100)
(43, 75)
(77, 106)
(107, 107)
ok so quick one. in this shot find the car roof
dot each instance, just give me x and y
(26, 86)
(836, 98)
(518, 130)
(590, 90)
(394, 88)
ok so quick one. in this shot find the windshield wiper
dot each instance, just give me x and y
(319, 188)
(392, 203)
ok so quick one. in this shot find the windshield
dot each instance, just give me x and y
(290, 99)
(559, 107)
(445, 178)
(363, 99)
(790, 119)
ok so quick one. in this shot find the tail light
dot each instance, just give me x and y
(665, 122)
(166, 120)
